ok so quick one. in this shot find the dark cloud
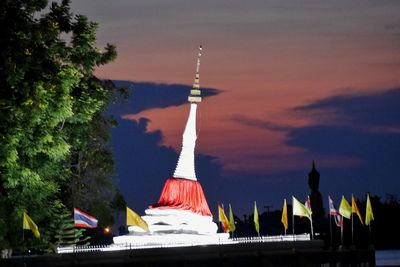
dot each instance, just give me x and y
(380, 108)
(146, 95)
(363, 128)
(361, 132)
(344, 141)
(376, 153)
(392, 27)
(244, 120)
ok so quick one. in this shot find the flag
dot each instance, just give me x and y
(256, 223)
(369, 215)
(307, 204)
(30, 225)
(354, 208)
(344, 208)
(299, 209)
(333, 212)
(284, 218)
(338, 220)
(132, 218)
(223, 219)
(232, 225)
(84, 220)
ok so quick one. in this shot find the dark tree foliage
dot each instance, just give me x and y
(53, 135)
(65, 232)
(118, 204)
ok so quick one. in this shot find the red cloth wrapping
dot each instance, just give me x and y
(183, 194)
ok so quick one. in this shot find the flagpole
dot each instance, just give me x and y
(352, 228)
(352, 218)
(312, 229)
(293, 223)
(370, 234)
(330, 227)
(73, 214)
(341, 231)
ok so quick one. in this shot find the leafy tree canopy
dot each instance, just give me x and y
(53, 135)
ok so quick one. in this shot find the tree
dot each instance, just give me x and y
(65, 232)
(50, 107)
(118, 203)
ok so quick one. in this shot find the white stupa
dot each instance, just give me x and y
(182, 212)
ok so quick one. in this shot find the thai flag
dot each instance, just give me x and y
(333, 212)
(84, 220)
(308, 203)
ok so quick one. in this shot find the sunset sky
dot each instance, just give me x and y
(294, 81)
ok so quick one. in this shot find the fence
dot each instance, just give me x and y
(186, 243)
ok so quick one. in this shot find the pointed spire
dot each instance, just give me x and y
(313, 178)
(195, 93)
(314, 170)
(185, 167)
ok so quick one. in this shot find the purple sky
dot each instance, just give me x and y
(294, 82)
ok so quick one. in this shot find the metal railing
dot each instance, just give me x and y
(188, 243)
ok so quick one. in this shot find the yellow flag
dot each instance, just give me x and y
(284, 218)
(354, 208)
(132, 218)
(232, 225)
(30, 225)
(223, 219)
(369, 215)
(344, 208)
(299, 209)
(256, 223)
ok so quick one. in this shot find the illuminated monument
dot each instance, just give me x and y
(182, 210)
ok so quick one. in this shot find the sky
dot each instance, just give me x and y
(286, 83)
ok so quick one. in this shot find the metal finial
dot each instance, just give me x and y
(198, 59)
(195, 93)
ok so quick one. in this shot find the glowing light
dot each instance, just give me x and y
(149, 242)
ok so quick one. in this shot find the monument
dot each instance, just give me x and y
(182, 212)
(315, 196)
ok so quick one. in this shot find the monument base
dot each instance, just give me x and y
(170, 240)
(174, 221)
